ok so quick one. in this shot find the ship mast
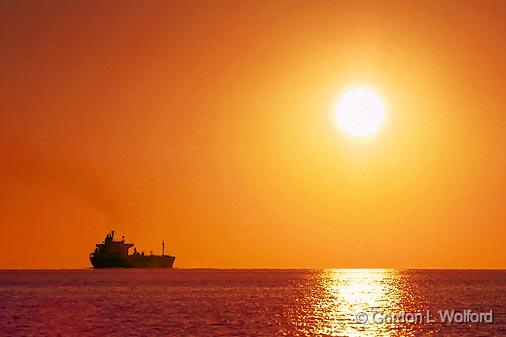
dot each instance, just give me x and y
(163, 247)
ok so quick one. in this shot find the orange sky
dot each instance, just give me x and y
(208, 124)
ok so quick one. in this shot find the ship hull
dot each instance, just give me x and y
(132, 261)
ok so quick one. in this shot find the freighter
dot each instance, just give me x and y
(114, 254)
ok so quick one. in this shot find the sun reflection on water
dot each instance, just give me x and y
(336, 296)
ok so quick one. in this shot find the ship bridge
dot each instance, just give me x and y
(113, 247)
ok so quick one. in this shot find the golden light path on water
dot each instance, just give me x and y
(336, 296)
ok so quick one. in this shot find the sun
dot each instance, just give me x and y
(360, 112)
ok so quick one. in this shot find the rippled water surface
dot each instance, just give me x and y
(249, 302)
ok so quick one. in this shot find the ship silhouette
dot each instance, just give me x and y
(114, 254)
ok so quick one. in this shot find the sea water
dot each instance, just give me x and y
(213, 302)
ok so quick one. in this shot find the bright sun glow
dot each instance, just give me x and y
(360, 112)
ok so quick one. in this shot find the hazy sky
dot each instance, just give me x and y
(209, 124)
